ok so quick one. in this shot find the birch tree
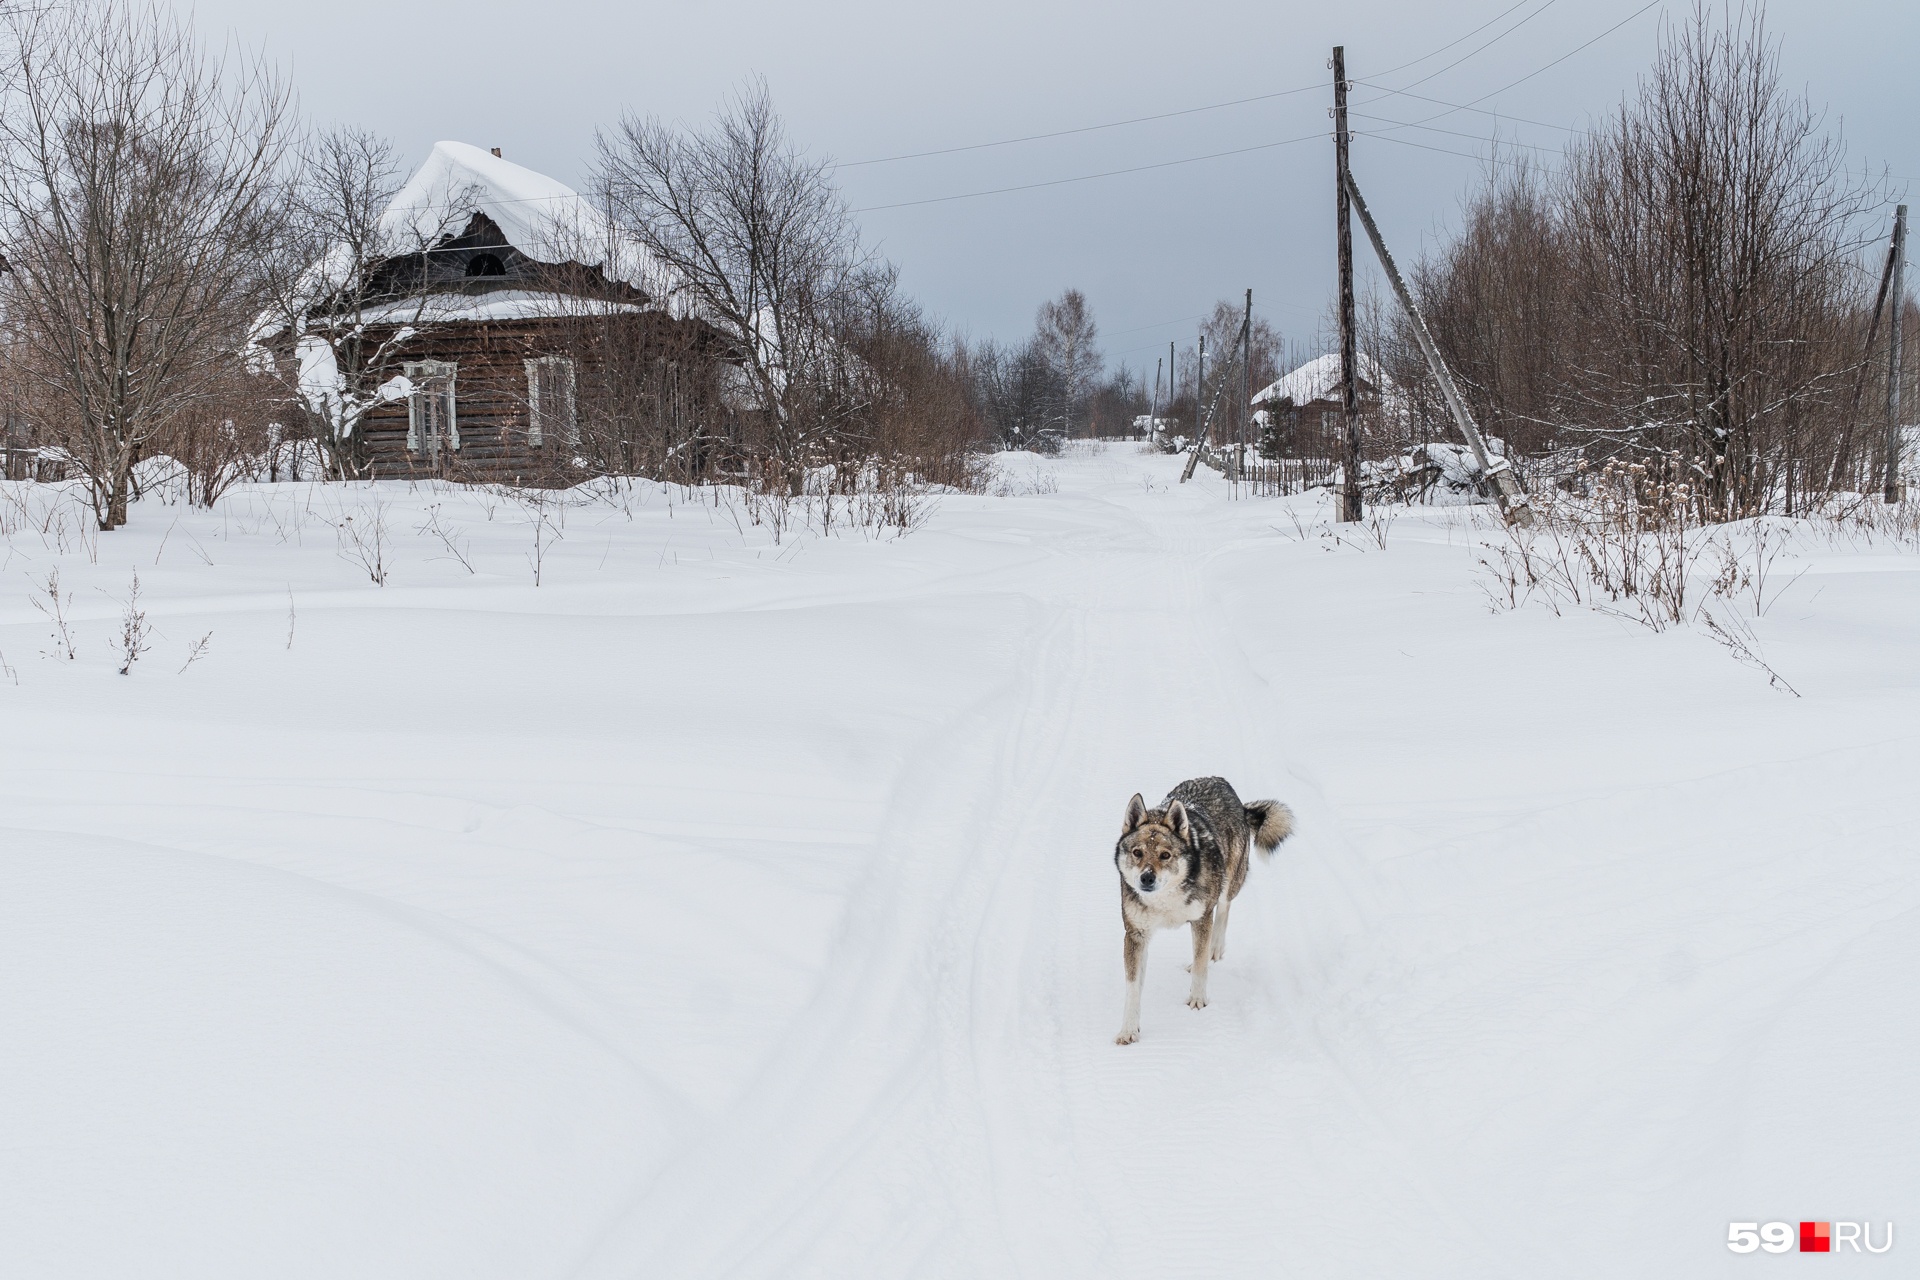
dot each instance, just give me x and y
(1065, 336)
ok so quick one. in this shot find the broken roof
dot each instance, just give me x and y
(541, 217)
(544, 219)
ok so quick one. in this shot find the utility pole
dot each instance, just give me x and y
(1894, 317)
(1221, 394)
(1199, 427)
(1506, 485)
(1349, 385)
(1153, 405)
(1199, 381)
(1246, 387)
(1845, 452)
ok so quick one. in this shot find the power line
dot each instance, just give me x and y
(1089, 177)
(1158, 324)
(1166, 164)
(1464, 155)
(1408, 124)
(1651, 4)
(1485, 111)
(1488, 45)
(1219, 106)
(1090, 128)
(1456, 40)
(1457, 106)
(1161, 346)
(1134, 351)
(1492, 159)
(1216, 106)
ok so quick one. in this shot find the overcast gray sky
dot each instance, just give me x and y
(859, 80)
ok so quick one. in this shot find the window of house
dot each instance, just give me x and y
(550, 408)
(486, 264)
(432, 425)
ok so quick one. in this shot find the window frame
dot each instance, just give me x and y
(429, 377)
(549, 377)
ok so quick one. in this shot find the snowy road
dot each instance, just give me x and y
(718, 909)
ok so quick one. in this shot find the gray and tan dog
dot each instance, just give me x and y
(1184, 863)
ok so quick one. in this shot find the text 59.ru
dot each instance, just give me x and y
(1815, 1237)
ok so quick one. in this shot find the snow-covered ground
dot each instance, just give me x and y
(724, 908)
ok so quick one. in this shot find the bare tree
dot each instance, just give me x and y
(137, 178)
(759, 245)
(1226, 380)
(921, 424)
(350, 289)
(1715, 229)
(1114, 402)
(1014, 391)
(1686, 289)
(223, 437)
(1222, 328)
(1066, 337)
(649, 396)
(1499, 299)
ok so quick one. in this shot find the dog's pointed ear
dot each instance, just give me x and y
(1136, 814)
(1177, 819)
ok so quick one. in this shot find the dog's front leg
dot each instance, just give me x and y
(1134, 948)
(1220, 929)
(1202, 945)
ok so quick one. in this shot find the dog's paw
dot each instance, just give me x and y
(1216, 957)
(1196, 1002)
(1127, 1037)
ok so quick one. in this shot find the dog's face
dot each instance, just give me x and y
(1153, 854)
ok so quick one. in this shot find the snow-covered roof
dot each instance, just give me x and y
(500, 304)
(1319, 379)
(542, 217)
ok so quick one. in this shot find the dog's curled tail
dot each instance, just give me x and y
(1271, 822)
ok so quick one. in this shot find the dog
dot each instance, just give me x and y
(1184, 863)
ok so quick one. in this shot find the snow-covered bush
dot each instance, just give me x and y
(1423, 471)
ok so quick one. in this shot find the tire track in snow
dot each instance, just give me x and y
(812, 1156)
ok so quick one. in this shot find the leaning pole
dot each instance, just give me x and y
(1507, 489)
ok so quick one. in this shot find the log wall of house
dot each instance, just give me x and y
(646, 400)
(490, 406)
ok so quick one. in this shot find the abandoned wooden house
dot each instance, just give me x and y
(1301, 409)
(536, 340)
